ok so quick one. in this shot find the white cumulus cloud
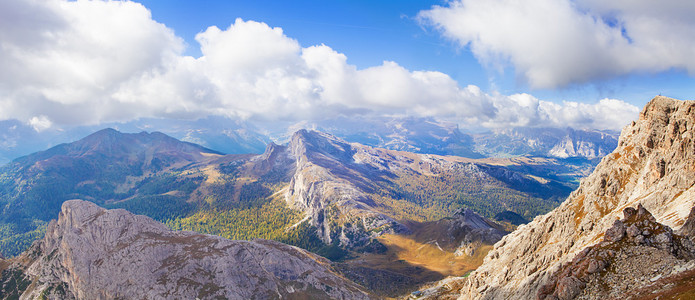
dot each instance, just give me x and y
(555, 43)
(65, 59)
(88, 62)
(524, 110)
(40, 123)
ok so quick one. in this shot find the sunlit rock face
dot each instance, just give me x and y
(653, 165)
(93, 253)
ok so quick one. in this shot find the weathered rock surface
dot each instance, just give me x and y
(473, 231)
(328, 186)
(635, 252)
(688, 228)
(653, 166)
(93, 253)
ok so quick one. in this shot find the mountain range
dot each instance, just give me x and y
(419, 135)
(353, 203)
(551, 142)
(388, 220)
(321, 176)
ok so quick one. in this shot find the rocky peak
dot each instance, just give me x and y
(328, 186)
(271, 149)
(110, 140)
(653, 165)
(320, 145)
(106, 227)
(473, 231)
(473, 220)
(93, 253)
(274, 157)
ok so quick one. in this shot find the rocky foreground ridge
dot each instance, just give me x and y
(635, 252)
(93, 253)
(653, 166)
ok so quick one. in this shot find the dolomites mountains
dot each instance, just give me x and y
(349, 191)
(93, 253)
(653, 168)
(317, 189)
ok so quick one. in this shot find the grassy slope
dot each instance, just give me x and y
(412, 260)
(425, 198)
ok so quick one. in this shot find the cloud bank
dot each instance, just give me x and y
(555, 43)
(88, 62)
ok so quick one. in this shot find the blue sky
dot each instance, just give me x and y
(370, 32)
(490, 64)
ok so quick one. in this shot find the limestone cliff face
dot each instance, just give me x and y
(329, 187)
(337, 185)
(654, 165)
(93, 253)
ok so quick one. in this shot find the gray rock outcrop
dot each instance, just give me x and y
(616, 267)
(329, 187)
(473, 231)
(93, 253)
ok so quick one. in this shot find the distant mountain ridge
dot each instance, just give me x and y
(427, 135)
(127, 146)
(421, 135)
(551, 142)
(221, 134)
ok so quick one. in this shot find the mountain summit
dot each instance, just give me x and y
(105, 167)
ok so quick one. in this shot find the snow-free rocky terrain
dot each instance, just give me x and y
(94, 253)
(653, 168)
